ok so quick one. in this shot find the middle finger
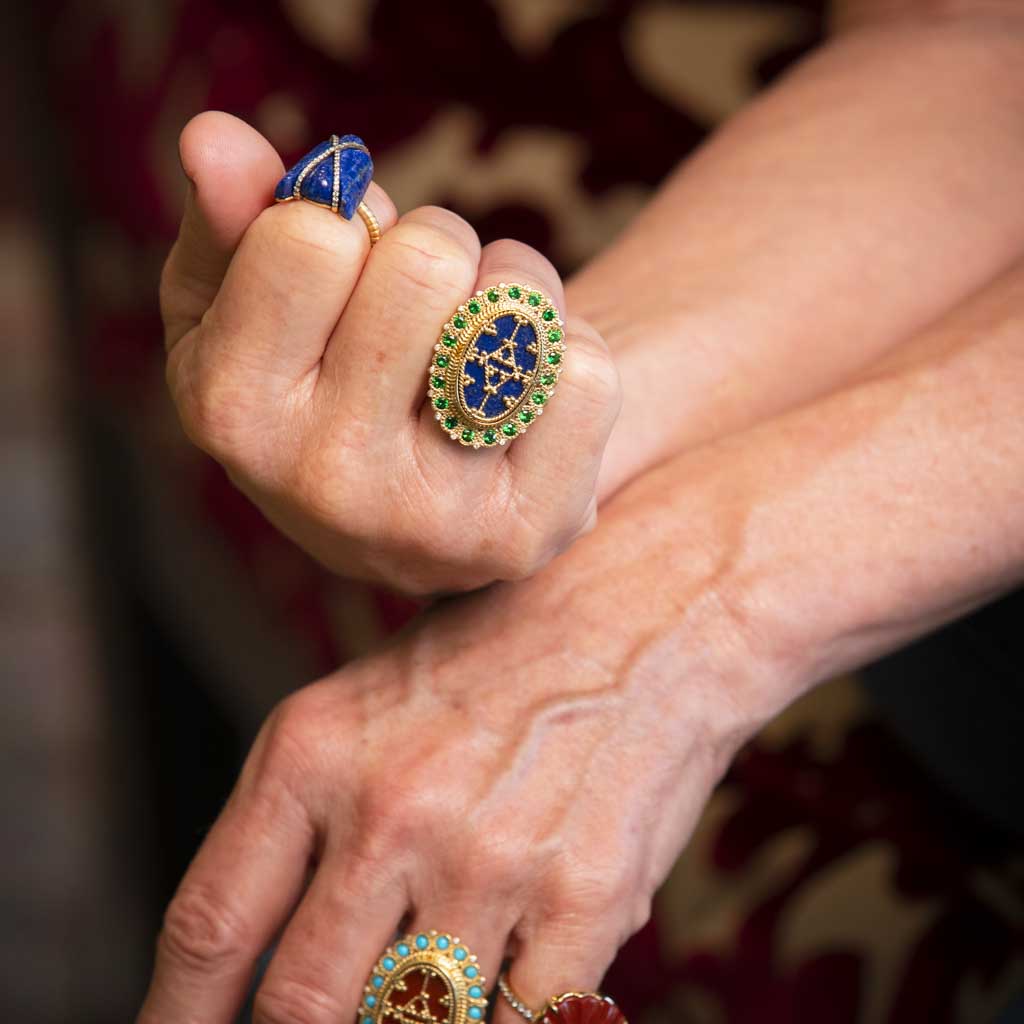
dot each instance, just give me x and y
(376, 358)
(320, 966)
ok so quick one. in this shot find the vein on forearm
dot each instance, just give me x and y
(854, 524)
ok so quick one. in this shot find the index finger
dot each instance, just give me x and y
(236, 895)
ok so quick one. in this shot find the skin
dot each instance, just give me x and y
(777, 540)
(298, 358)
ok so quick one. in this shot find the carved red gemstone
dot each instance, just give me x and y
(584, 1010)
(419, 994)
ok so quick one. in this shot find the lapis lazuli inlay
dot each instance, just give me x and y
(343, 160)
(498, 366)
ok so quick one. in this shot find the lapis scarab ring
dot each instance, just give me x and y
(335, 175)
(496, 365)
(429, 978)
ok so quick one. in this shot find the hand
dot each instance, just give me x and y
(298, 358)
(518, 771)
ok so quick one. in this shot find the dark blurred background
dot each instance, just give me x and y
(151, 618)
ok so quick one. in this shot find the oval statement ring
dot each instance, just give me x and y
(496, 365)
(428, 978)
(335, 175)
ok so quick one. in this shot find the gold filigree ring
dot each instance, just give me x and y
(496, 365)
(427, 978)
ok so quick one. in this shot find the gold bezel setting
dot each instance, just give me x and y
(446, 380)
(431, 953)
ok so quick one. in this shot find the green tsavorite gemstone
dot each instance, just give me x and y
(448, 340)
(442, 361)
(555, 335)
(548, 379)
(514, 292)
(474, 306)
(554, 358)
(490, 437)
(539, 398)
(525, 416)
(548, 314)
(451, 422)
(440, 403)
(509, 430)
(467, 435)
(459, 322)
(492, 295)
(535, 299)
(438, 382)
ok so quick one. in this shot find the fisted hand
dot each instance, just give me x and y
(300, 359)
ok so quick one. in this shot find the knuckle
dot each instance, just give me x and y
(606, 891)
(641, 909)
(531, 552)
(295, 740)
(457, 228)
(498, 863)
(215, 411)
(200, 931)
(295, 1002)
(430, 260)
(521, 549)
(510, 259)
(591, 366)
(299, 231)
(319, 480)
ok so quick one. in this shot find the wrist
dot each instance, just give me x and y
(658, 600)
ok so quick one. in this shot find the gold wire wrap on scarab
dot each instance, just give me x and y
(335, 175)
(427, 978)
(496, 365)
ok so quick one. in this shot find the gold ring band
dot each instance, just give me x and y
(371, 222)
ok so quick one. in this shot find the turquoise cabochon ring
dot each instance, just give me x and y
(335, 175)
(429, 978)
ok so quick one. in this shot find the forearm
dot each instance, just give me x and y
(815, 542)
(852, 204)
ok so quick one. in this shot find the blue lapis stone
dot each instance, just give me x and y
(355, 171)
(498, 366)
(402, 949)
(422, 942)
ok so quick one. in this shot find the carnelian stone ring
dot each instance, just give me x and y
(569, 1008)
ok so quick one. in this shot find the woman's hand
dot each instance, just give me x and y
(520, 771)
(299, 359)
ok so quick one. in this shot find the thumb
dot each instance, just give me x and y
(232, 171)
